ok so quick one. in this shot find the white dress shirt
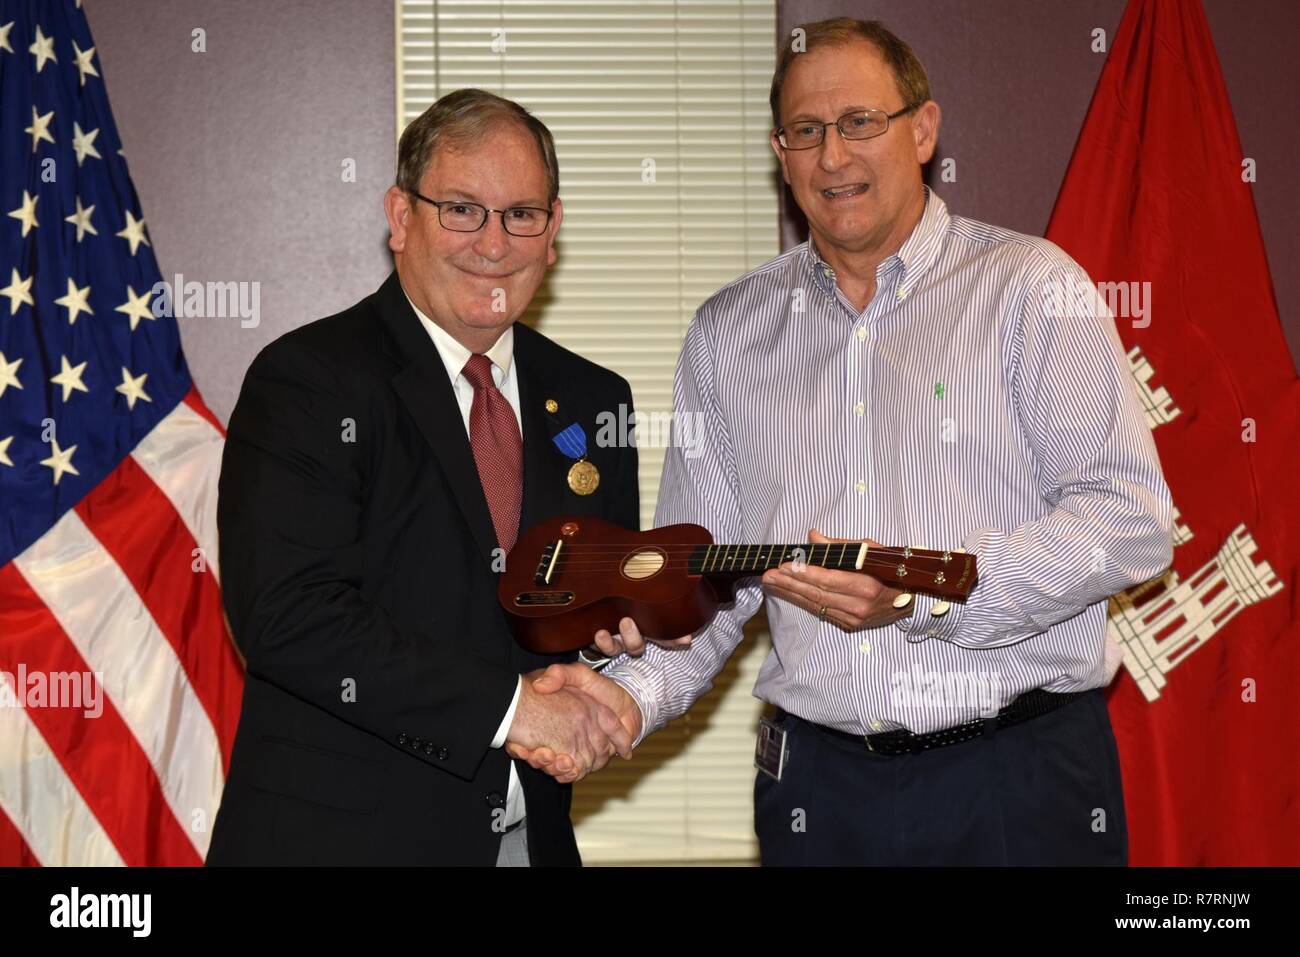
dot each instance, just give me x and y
(454, 356)
(981, 400)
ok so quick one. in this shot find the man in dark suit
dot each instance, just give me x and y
(379, 464)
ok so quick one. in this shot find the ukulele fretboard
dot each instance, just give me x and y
(756, 559)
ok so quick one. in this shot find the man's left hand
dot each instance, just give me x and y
(851, 601)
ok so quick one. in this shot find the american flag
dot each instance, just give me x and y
(108, 478)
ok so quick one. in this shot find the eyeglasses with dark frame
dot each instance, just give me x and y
(856, 125)
(462, 216)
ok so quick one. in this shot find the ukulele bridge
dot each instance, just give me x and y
(546, 564)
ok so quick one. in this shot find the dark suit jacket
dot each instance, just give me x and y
(356, 551)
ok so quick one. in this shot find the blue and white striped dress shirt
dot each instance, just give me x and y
(983, 401)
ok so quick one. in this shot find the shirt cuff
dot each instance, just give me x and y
(502, 731)
(634, 684)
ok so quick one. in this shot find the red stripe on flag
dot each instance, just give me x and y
(136, 524)
(100, 756)
(195, 402)
(14, 851)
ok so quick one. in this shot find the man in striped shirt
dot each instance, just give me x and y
(932, 381)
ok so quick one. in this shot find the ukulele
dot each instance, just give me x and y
(568, 577)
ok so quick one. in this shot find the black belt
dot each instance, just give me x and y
(1031, 704)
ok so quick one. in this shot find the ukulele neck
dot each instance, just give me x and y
(945, 574)
(738, 561)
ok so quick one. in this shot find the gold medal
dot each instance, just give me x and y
(583, 477)
(552, 406)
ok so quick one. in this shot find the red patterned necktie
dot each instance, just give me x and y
(498, 449)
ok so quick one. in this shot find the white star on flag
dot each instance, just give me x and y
(133, 388)
(75, 301)
(42, 49)
(4, 36)
(70, 378)
(4, 451)
(137, 307)
(26, 213)
(84, 66)
(81, 219)
(40, 128)
(83, 144)
(60, 460)
(19, 291)
(9, 373)
(133, 233)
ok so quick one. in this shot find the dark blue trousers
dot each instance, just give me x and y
(1043, 792)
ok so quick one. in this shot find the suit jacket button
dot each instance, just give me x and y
(495, 799)
(428, 747)
(442, 754)
(415, 743)
(401, 738)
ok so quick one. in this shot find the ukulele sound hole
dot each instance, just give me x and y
(643, 564)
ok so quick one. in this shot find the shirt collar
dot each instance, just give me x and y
(916, 255)
(454, 355)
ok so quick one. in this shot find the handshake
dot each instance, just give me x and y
(570, 720)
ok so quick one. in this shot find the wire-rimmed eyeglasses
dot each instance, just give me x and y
(857, 125)
(462, 216)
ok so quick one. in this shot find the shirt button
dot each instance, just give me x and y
(940, 609)
(931, 633)
(860, 408)
(875, 725)
(862, 332)
(902, 294)
(865, 647)
(861, 487)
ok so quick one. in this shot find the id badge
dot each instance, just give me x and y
(769, 752)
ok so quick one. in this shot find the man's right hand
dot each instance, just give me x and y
(552, 719)
(568, 766)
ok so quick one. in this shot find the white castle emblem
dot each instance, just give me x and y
(1154, 626)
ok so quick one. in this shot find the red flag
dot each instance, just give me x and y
(1157, 206)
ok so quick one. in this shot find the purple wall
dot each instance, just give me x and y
(1014, 79)
(236, 154)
